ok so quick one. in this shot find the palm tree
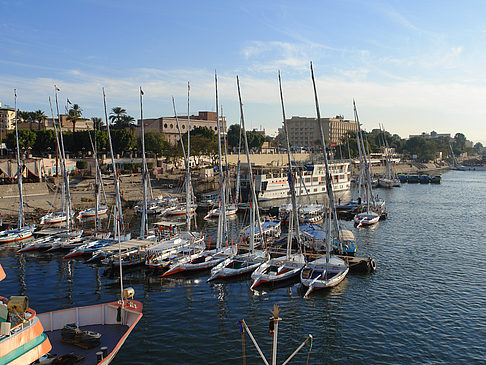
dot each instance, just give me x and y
(74, 114)
(125, 121)
(116, 114)
(97, 123)
(39, 116)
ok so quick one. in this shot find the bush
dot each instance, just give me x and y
(81, 165)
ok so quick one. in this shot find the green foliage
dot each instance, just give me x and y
(98, 124)
(120, 119)
(45, 141)
(123, 140)
(233, 135)
(26, 140)
(74, 114)
(203, 131)
(255, 140)
(81, 165)
(155, 143)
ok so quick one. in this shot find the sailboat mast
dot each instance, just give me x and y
(143, 224)
(65, 174)
(330, 194)
(222, 208)
(367, 176)
(118, 216)
(291, 177)
(238, 168)
(252, 182)
(20, 222)
(179, 130)
(188, 167)
(97, 184)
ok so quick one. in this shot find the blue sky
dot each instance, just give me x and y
(414, 66)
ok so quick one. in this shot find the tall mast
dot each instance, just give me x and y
(188, 168)
(118, 216)
(254, 208)
(222, 199)
(65, 174)
(238, 168)
(332, 208)
(367, 176)
(291, 176)
(179, 130)
(143, 224)
(20, 222)
(97, 184)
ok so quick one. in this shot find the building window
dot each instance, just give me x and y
(183, 126)
(165, 125)
(172, 126)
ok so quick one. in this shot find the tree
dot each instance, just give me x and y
(478, 147)
(155, 143)
(26, 140)
(45, 141)
(97, 123)
(116, 114)
(126, 121)
(74, 114)
(233, 135)
(123, 140)
(203, 131)
(40, 117)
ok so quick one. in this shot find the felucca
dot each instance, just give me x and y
(329, 270)
(283, 268)
(244, 263)
(22, 232)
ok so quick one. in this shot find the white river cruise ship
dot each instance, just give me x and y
(272, 182)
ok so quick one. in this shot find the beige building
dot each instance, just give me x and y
(168, 125)
(304, 132)
(7, 120)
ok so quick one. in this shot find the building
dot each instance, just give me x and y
(432, 135)
(168, 125)
(67, 125)
(304, 132)
(7, 120)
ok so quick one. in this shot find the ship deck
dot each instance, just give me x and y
(111, 334)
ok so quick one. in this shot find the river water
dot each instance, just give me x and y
(426, 303)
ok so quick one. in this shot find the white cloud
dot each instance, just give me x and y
(404, 106)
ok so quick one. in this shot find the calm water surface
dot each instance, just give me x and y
(426, 303)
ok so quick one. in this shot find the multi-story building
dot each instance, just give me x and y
(168, 125)
(432, 135)
(7, 120)
(304, 132)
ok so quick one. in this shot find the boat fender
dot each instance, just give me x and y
(372, 264)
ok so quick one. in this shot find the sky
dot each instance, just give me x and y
(413, 66)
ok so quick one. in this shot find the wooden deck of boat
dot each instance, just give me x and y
(129, 244)
(110, 336)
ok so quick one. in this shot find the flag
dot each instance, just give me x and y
(69, 101)
(57, 89)
(141, 91)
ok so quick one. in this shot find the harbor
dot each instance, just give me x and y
(397, 302)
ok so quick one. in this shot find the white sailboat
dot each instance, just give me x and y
(370, 216)
(207, 259)
(98, 210)
(185, 243)
(329, 270)
(22, 232)
(245, 263)
(283, 268)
